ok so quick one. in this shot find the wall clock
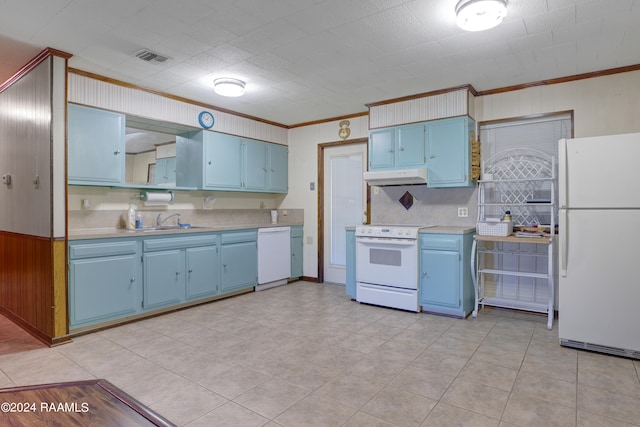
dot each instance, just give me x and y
(205, 119)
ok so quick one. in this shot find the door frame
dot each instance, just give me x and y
(321, 207)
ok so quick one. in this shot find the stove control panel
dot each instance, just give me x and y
(391, 232)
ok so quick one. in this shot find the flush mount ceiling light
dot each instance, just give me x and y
(227, 86)
(479, 15)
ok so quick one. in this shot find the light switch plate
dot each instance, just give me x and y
(6, 179)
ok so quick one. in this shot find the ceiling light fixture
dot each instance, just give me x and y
(480, 15)
(227, 86)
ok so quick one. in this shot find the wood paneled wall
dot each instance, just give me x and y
(33, 150)
(26, 282)
(419, 108)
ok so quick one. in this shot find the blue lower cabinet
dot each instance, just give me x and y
(239, 259)
(111, 279)
(351, 263)
(180, 268)
(164, 279)
(203, 272)
(446, 285)
(296, 251)
(104, 281)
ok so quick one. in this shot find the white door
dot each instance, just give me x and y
(344, 203)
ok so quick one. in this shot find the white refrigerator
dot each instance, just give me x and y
(599, 237)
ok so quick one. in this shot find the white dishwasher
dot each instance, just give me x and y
(274, 257)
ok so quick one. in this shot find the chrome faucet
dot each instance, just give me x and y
(159, 222)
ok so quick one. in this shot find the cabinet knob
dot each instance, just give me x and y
(424, 273)
(401, 148)
(209, 162)
(191, 270)
(433, 156)
(177, 272)
(390, 150)
(116, 152)
(133, 279)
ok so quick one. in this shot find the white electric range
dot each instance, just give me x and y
(387, 265)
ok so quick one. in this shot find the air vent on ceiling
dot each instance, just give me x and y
(151, 56)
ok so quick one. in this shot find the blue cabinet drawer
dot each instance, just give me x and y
(92, 250)
(447, 243)
(243, 236)
(179, 242)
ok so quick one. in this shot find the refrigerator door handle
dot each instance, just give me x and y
(564, 239)
(562, 178)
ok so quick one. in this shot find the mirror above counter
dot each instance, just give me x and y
(151, 152)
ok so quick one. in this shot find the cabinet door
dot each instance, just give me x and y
(165, 171)
(439, 278)
(96, 141)
(254, 165)
(296, 250)
(102, 289)
(164, 278)
(411, 146)
(448, 142)
(351, 264)
(222, 161)
(382, 148)
(203, 278)
(277, 168)
(239, 266)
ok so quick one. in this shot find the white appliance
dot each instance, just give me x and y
(396, 177)
(599, 220)
(274, 257)
(387, 266)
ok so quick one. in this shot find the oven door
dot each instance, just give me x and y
(390, 262)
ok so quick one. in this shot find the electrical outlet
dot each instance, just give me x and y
(463, 212)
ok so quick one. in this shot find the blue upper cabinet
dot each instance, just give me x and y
(230, 163)
(165, 171)
(382, 144)
(277, 168)
(254, 165)
(96, 143)
(222, 158)
(448, 147)
(398, 147)
(411, 146)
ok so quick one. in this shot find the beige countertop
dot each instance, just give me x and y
(448, 229)
(105, 233)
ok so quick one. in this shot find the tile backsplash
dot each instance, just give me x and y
(431, 206)
(91, 219)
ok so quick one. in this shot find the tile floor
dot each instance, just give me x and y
(306, 355)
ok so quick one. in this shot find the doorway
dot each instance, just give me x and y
(343, 201)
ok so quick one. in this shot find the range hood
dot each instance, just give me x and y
(396, 177)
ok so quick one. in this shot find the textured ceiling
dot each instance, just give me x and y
(306, 60)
